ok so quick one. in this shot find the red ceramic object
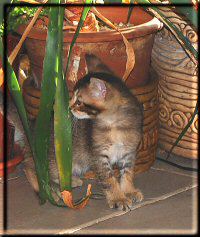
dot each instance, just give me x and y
(1, 136)
(11, 164)
(10, 137)
(14, 155)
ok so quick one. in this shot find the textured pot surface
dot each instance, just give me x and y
(148, 96)
(107, 45)
(178, 91)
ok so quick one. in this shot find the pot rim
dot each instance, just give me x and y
(146, 28)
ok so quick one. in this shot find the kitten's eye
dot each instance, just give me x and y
(78, 102)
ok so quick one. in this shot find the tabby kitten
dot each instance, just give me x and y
(107, 126)
(115, 131)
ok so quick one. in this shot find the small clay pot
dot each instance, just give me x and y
(10, 137)
(12, 164)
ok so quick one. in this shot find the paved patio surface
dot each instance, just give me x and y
(169, 207)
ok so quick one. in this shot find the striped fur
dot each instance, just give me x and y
(116, 130)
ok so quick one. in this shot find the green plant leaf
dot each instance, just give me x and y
(188, 11)
(43, 122)
(80, 25)
(2, 7)
(130, 11)
(16, 94)
(1, 14)
(62, 118)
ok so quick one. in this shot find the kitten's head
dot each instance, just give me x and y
(89, 97)
(100, 90)
(90, 92)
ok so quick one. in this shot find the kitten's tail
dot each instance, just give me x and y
(95, 64)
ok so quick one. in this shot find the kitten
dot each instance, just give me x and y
(107, 126)
(115, 132)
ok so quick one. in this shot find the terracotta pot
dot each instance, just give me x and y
(12, 40)
(107, 45)
(14, 155)
(177, 90)
(11, 164)
(10, 138)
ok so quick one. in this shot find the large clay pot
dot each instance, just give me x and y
(107, 45)
(177, 89)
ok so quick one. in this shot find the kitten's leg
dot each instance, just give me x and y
(115, 197)
(126, 178)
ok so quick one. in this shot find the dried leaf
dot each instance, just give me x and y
(129, 49)
(68, 200)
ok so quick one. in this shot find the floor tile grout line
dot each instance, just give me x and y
(120, 213)
(173, 172)
(144, 231)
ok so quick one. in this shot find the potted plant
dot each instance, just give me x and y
(47, 99)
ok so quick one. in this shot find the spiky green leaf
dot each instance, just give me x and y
(44, 119)
(62, 119)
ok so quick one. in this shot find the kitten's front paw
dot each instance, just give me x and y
(135, 195)
(118, 200)
(124, 204)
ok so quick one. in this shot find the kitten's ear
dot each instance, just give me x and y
(94, 64)
(97, 88)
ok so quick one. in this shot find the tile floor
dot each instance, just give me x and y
(169, 207)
